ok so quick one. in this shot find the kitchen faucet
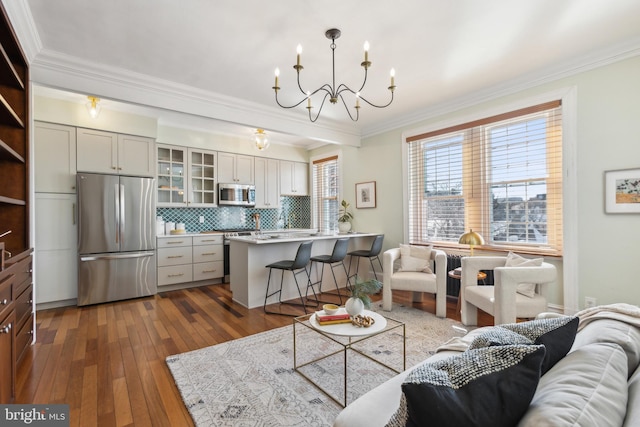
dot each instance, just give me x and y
(256, 218)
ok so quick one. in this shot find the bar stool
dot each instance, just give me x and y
(300, 264)
(336, 259)
(372, 254)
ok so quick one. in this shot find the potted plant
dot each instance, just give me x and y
(344, 220)
(360, 291)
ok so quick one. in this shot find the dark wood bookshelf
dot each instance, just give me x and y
(16, 285)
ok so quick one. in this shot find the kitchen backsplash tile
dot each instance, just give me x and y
(294, 212)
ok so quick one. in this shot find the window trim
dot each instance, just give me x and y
(568, 96)
(473, 137)
(329, 155)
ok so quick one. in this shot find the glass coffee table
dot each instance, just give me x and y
(346, 336)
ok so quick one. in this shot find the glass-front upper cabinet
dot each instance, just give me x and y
(202, 190)
(186, 177)
(171, 176)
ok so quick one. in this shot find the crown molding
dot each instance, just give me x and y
(24, 26)
(61, 71)
(556, 72)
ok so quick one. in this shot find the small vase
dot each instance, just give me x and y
(354, 306)
(344, 227)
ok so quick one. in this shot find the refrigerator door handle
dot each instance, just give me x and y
(122, 217)
(117, 212)
(118, 256)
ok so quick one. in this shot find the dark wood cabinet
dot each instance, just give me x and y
(16, 287)
(14, 137)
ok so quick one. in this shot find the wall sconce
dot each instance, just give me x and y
(93, 106)
(261, 140)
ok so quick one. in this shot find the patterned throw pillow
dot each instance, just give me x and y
(515, 260)
(489, 386)
(498, 336)
(415, 258)
(556, 334)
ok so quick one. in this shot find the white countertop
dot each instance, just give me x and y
(171, 236)
(285, 236)
(291, 231)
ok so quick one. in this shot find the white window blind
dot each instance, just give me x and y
(325, 193)
(500, 176)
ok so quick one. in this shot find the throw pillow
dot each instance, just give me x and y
(415, 258)
(556, 334)
(515, 260)
(498, 336)
(483, 387)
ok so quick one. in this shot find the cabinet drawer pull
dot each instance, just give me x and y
(5, 329)
(175, 256)
(210, 240)
(175, 275)
(209, 271)
(4, 302)
(175, 242)
(209, 253)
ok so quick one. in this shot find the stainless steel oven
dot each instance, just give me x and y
(230, 233)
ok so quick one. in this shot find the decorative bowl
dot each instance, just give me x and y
(330, 308)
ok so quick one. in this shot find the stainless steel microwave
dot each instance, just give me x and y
(237, 194)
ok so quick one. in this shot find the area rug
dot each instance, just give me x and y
(251, 381)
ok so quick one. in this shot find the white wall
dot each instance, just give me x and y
(608, 113)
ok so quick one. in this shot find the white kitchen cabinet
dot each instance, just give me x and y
(56, 240)
(171, 173)
(175, 260)
(294, 178)
(55, 158)
(112, 153)
(208, 257)
(201, 191)
(185, 259)
(267, 183)
(235, 168)
(186, 177)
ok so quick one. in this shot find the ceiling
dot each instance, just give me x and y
(216, 59)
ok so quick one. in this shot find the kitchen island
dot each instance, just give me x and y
(250, 254)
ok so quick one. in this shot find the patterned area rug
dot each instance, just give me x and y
(251, 381)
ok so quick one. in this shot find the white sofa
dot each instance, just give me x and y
(597, 383)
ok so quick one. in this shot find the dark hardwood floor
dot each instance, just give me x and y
(107, 362)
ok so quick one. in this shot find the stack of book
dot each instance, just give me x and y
(332, 319)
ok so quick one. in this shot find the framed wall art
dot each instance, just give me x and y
(366, 195)
(622, 191)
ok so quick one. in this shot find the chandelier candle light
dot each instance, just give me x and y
(331, 90)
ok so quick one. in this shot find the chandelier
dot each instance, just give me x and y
(331, 91)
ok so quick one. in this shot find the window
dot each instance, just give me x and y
(500, 176)
(325, 193)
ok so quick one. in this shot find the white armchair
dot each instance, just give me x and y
(501, 300)
(416, 281)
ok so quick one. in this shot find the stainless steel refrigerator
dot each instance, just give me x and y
(116, 238)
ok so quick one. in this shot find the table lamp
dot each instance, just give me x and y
(472, 239)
